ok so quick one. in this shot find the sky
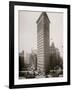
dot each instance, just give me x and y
(28, 30)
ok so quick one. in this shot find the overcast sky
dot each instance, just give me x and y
(28, 30)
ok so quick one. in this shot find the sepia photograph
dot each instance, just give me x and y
(40, 44)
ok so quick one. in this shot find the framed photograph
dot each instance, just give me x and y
(39, 44)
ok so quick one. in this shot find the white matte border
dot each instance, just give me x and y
(18, 81)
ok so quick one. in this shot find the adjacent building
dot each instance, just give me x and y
(21, 61)
(33, 59)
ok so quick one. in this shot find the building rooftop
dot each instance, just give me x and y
(43, 14)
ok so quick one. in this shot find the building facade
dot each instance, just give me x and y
(21, 61)
(43, 42)
(33, 59)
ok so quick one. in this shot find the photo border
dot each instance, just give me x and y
(11, 43)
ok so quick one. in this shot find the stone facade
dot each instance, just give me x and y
(43, 43)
